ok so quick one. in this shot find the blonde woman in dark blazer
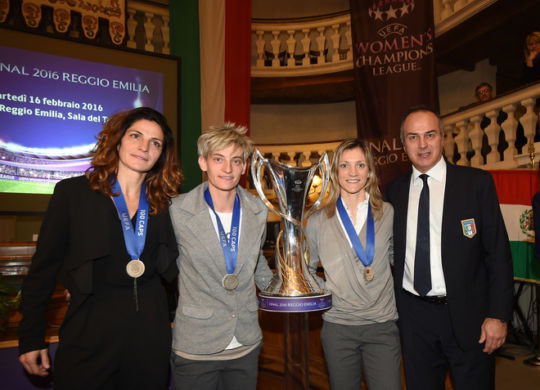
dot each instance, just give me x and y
(352, 239)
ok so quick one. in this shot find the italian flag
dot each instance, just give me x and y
(225, 41)
(515, 189)
(213, 40)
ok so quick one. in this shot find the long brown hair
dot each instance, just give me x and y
(162, 182)
(372, 183)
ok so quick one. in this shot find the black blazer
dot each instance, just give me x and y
(75, 232)
(478, 271)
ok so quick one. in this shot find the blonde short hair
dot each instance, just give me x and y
(220, 137)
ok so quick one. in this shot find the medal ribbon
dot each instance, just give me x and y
(133, 238)
(366, 257)
(229, 247)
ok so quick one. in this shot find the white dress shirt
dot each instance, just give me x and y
(436, 182)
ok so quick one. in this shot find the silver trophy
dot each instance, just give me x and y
(292, 289)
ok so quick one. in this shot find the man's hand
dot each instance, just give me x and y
(36, 362)
(493, 334)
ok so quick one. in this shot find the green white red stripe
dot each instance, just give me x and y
(515, 189)
(225, 46)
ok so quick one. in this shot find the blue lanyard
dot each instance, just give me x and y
(230, 247)
(133, 238)
(366, 257)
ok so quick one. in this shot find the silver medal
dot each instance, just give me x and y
(135, 268)
(230, 282)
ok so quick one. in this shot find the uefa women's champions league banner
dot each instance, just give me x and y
(393, 51)
(52, 108)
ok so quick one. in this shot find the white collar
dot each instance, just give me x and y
(437, 172)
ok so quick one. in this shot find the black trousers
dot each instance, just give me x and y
(234, 374)
(430, 348)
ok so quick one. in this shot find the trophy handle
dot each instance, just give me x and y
(323, 167)
(257, 162)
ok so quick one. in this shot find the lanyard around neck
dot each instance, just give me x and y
(366, 257)
(133, 238)
(229, 247)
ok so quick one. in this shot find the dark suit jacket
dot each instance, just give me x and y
(478, 270)
(75, 232)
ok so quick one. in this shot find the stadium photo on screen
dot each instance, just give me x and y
(51, 110)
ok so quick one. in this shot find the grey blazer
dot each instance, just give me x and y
(208, 316)
(355, 301)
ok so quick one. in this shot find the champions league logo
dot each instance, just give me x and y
(386, 10)
(398, 47)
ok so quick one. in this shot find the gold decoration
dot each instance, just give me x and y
(90, 26)
(294, 282)
(31, 13)
(114, 11)
(531, 150)
(117, 31)
(62, 19)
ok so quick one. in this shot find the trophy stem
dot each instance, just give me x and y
(294, 284)
(295, 277)
(296, 351)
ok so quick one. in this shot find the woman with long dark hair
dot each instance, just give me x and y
(108, 238)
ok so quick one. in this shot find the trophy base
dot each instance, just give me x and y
(303, 304)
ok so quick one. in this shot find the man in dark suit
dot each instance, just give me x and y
(453, 268)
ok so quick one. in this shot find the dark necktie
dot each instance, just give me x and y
(422, 271)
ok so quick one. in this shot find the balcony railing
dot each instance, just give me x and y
(464, 133)
(148, 27)
(306, 46)
(324, 45)
(466, 130)
(300, 155)
(300, 48)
